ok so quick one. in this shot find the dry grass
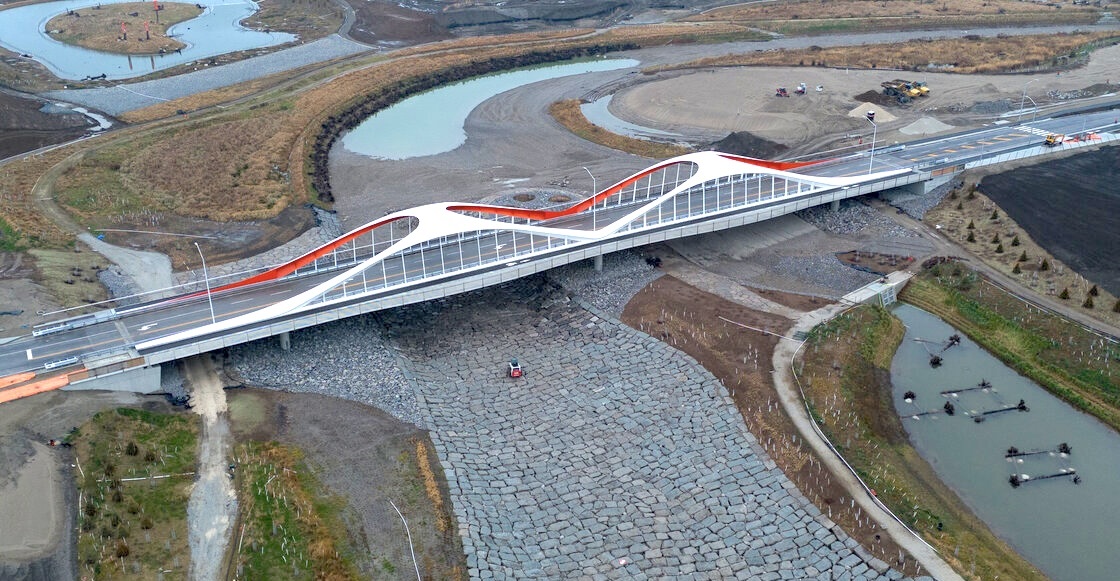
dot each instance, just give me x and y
(100, 29)
(959, 55)
(569, 114)
(432, 489)
(17, 206)
(964, 206)
(812, 16)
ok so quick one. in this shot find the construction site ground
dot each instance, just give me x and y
(512, 139)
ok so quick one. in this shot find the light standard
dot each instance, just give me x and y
(206, 276)
(1023, 99)
(594, 190)
(874, 133)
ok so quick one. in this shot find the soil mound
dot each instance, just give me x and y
(925, 126)
(877, 98)
(744, 143)
(881, 115)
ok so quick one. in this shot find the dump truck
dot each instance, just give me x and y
(921, 86)
(901, 91)
(1054, 140)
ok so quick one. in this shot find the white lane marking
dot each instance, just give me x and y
(148, 326)
(29, 357)
(242, 301)
(280, 292)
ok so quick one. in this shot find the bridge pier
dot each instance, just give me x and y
(285, 341)
(598, 263)
(834, 205)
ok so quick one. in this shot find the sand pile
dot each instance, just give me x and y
(881, 115)
(925, 126)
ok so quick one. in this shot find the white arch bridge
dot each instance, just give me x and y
(444, 249)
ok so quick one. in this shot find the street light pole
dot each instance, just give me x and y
(206, 276)
(594, 191)
(874, 133)
(1023, 99)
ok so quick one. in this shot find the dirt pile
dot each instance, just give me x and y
(745, 143)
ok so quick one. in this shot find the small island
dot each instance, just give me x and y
(130, 28)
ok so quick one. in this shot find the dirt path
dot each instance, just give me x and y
(150, 271)
(213, 505)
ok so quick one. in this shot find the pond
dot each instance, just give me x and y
(598, 112)
(433, 122)
(216, 31)
(1065, 529)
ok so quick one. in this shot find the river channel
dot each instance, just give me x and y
(433, 122)
(1065, 529)
(216, 31)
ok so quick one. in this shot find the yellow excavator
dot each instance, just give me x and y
(1054, 140)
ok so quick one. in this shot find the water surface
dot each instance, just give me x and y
(216, 31)
(433, 122)
(1066, 530)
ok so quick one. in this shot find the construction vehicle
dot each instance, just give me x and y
(781, 92)
(899, 92)
(921, 86)
(801, 88)
(514, 368)
(1054, 140)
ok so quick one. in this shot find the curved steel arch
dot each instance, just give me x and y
(455, 222)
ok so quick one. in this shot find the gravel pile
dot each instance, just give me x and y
(994, 107)
(853, 218)
(823, 271)
(348, 359)
(624, 274)
(123, 98)
(119, 284)
(171, 382)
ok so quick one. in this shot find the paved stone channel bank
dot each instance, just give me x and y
(615, 457)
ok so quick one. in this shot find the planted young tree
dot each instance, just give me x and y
(1023, 256)
(1045, 265)
(971, 225)
(1116, 307)
(1088, 304)
(131, 449)
(995, 215)
(1093, 292)
(960, 205)
(971, 237)
(1015, 240)
(999, 249)
(1064, 295)
(995, 239)
(1016, 269)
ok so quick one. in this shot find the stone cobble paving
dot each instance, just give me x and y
(615, 457)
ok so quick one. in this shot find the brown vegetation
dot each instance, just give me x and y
(569, 114)
(811, 16)
(100, 28)
(959, 55)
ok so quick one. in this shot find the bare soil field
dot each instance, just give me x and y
(367, 458)
(1071, 207)
(25, 127)
(710, 103)
(389, 25)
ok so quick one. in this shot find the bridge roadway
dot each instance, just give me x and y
(114, 334)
